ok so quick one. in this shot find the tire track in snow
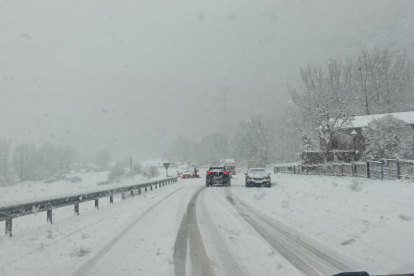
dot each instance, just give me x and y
(224, 256)
(86, 267)
(302, 255)
(189, 235)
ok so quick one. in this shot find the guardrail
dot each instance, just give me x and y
(10, 212)
(382, 169)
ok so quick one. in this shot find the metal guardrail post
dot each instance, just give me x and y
(77, 208)
(294, 169)
(49, 216)
(111, 199)
(9, 227)
(151, 187)
(8, 213)
(145, 188)
(382, 171)
(368, 173)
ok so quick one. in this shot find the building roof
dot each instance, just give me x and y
(363, 121)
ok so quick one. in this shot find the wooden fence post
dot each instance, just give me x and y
(398, 169)
(49, 216)
(9, 226)
(368, 174)
(353, 169)
(77, 208)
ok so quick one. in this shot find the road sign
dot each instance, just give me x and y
(166, 165)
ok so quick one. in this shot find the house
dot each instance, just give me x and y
(342, 146)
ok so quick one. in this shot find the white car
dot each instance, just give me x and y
(257, 177)
(187, 174)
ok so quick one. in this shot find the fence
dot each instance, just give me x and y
(383, 169)
(8, 213)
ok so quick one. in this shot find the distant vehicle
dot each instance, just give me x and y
(230, 165)
(187, 174)
(257, 177)
(181, 169)
(218, 175)
(231, 168)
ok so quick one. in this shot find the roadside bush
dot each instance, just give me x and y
(389, 137)
(116, 172)
(137, 168)
(75, 179)
(151, 172)
(62, 177)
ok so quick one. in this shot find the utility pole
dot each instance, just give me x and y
(130, 164)
(225, 99)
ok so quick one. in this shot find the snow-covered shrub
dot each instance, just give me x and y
(75, 179)
(116, 172)
(388, 137)
(151, 172)
(137, 168)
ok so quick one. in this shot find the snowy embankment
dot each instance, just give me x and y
(30, 191)
(368, 220)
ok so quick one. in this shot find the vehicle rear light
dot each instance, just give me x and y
(225, 172)
(209, 172)
(182, 175)
(268, 179)
(235, 169)
(248, 178)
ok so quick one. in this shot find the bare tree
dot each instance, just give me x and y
(213, 148)
(65, 156)
(252, 140)
(4, 161)
(383, 81)
(46, 161)
(102, 158)
(326, 102)
(24, 161)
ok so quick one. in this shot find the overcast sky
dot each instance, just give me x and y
(131, 75)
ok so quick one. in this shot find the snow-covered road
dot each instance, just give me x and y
(302, 225)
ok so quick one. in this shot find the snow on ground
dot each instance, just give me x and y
(368, 220)
(363, 223)
(73, 243)
(30, 191)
